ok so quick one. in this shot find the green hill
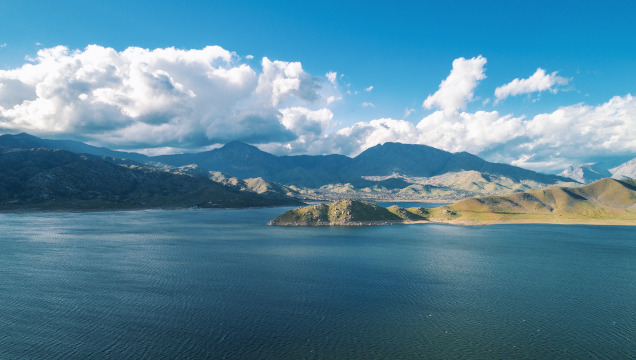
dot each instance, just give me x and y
(344, 212)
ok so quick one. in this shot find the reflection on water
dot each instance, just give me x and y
(219, 283)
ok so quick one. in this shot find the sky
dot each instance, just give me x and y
(539, 84)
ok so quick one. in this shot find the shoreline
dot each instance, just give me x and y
(462, 223)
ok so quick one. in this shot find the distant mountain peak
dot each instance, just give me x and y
(22, 135)
(585, 173)
(398, 145)
(626, 170)
(238, 144)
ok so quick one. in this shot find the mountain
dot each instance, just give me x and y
(607, 201)
(235, 159)
(426, 161)
(242, 160)
(26, 141)
(626, 170)
(246, 161)
(47, 179)
(585, 173)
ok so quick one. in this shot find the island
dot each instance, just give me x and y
(604, 202)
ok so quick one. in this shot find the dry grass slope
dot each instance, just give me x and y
(606, 201)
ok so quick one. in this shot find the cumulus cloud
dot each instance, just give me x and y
(369, 89)
(3, 45)
(546, 142)
(166, 100)
(303, 121)
(578, 130)
(364, 135)
(458, 88)
(249, 57)
(368, 104)
(539, 81)
(281, 80)
(158, 98)
(472, 132)
(549, 141)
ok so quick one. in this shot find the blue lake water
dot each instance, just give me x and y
(221, 284)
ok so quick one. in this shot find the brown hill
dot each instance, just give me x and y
(606, 201)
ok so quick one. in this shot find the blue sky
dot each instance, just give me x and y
(403, 50)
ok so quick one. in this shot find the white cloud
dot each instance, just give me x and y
(368, 104)
(604, 129)
(539, 81)
(249, 57)
(163, 98)
(549, 141)
(546, 142)
(457, 89)
(463, 132)
(472, 132)
(364, 135)
(369, 89)
(303, 121)
(3, 45)
(169, 99)
(332, 76)
(281, 80)
(332, 99)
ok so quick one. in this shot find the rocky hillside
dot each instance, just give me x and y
(345, 212)
(45, 179)
(255, 185)
(626, 170)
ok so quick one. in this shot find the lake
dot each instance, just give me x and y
(221, 284)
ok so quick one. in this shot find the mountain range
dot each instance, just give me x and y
(386, 171)
(27, 141)
(390, 170)
(53, 179)
(243, 160)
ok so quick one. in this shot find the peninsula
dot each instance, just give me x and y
(604, 202)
